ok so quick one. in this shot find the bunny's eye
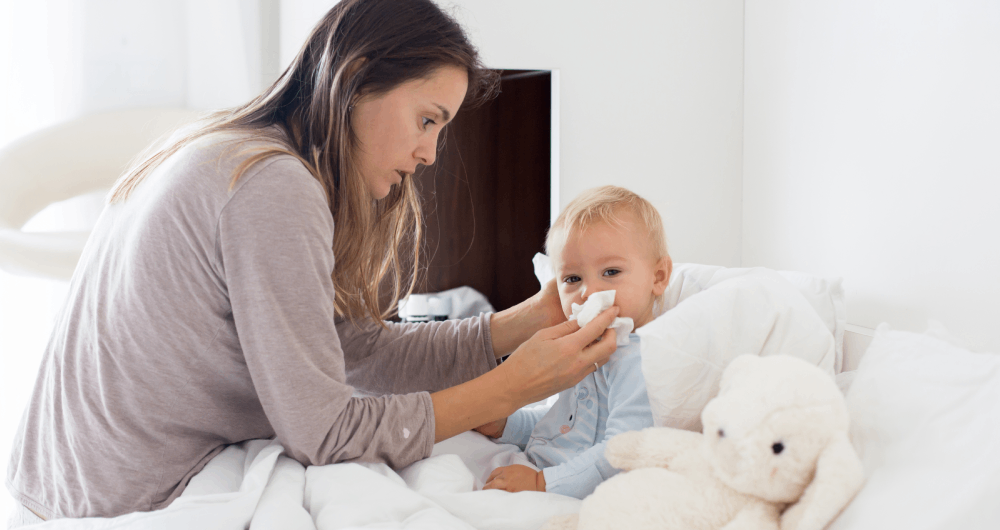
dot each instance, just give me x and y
(778, 448)
(722, 433)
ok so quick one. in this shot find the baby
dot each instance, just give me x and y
(607, 239)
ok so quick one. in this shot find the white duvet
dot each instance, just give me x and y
(252, 485)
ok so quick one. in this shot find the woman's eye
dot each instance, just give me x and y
(612, 272)
(426, 122)
(571, 279)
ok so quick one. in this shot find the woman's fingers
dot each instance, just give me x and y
(581, 336)
(558, 357)
(559, 330)
(593, 330)
(599, 352)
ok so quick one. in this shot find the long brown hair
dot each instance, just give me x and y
(359, 48)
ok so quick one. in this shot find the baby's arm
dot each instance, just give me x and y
(628, 410)
(520, 424)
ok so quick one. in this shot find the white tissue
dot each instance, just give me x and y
(596, 304)
(543, 268)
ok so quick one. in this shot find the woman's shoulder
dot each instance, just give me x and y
(215, 159)
(233, 148)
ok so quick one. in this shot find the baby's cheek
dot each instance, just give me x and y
(626, 301)
(567, 308)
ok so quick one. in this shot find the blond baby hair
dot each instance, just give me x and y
(605, 205)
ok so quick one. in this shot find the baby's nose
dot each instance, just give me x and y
(583, 293)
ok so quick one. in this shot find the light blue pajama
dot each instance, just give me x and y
(567, 441)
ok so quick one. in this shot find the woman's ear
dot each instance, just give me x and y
(661, 275)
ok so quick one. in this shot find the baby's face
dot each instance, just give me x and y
(606, 257)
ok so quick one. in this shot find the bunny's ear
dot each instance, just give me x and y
(838, 478)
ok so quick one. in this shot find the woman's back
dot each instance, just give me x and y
(147, 342)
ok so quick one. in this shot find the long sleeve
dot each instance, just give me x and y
(416, 357)
(520, 424)
(275, 250)
(628, 410)
(201, 315)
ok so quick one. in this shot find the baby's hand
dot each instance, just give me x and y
(515, 478)
(493, 429)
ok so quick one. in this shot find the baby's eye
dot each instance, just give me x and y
(426, 122)
(612, 272)
(571, 279)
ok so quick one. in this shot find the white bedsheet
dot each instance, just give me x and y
(253, 485)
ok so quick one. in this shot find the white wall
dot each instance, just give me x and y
(651, 98)
(37, 41)
(64, 58)
(872, 152)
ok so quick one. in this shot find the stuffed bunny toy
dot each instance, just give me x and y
(774, 454)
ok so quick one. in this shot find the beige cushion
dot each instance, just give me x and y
(79, 156)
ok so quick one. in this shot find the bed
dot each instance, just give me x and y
(925, 408)
(925, 417)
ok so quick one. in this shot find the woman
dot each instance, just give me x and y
(231, 288)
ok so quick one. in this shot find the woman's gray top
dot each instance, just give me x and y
(201, 316)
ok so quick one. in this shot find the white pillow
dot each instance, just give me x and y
(685, 350)
(826, 295)
(925, 420)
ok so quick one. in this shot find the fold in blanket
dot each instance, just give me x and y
(253, 485)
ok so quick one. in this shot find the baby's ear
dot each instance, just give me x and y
(661, 275)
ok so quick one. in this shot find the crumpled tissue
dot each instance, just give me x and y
(595, 305)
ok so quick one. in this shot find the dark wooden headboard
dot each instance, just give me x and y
(486, 200)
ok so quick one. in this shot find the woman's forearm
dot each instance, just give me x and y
(464, 407)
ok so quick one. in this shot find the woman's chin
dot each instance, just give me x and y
(380, 193)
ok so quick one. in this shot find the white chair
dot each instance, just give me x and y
(61, 162)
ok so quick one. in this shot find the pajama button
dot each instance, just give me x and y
(582, 394)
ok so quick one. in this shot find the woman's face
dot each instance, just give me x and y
(399, 130)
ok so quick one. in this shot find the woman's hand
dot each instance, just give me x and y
(511, 327)
(552, 360)
(493, 429)
(515, 478)
(548, 306)
(558, 357)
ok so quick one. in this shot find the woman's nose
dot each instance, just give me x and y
(426, 151)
